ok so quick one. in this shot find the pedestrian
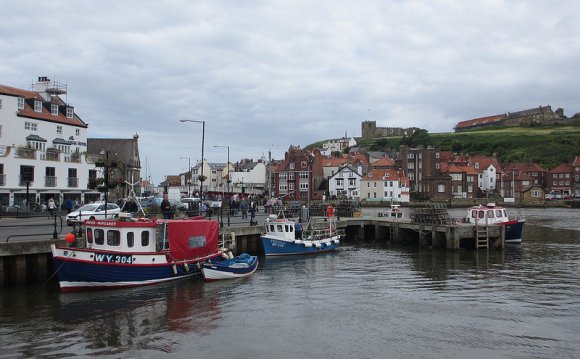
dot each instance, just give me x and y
(51, 206)
(244, 208)
(165, 207)
(69, 205)
(253, 208)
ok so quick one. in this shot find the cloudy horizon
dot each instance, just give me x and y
(270, 74)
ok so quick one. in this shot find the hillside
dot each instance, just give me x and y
(547, 146)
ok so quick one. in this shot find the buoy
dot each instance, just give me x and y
(230, 255)
(70, 237)
(186, 267)
(174, 267)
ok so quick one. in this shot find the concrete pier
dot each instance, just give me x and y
(30, 260)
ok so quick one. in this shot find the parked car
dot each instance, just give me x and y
(93, 211)
(549, 197)
(151, 202)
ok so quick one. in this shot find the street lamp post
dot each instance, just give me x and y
(202, 146)
(229, 178)
(188, 177)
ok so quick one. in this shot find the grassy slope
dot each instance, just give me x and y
(547, 146)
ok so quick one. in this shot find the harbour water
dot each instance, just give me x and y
(368, 300)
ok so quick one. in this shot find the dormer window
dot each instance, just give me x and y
(37, 106)
(476, 165)
(21, 103)
(54, 110)
(69, 112)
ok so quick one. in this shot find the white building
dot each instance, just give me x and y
(385, 185)
(337, 145)
(42, 146)
(487, 169)
(345, 183)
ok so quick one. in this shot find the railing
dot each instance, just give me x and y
(73, 181)
(23, 152)
(50, 181)
(52, 156)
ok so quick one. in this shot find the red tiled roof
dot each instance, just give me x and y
(484, 163)
(563, 168)
(481, 121)
(45, 115)
(384, 162)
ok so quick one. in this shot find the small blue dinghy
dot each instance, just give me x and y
(236, 267)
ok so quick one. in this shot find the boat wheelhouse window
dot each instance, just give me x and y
(289, 228)
(89, 235)
(197, 242)
(130, 239)
(490, 213)
(113, 238)
(99, 236)
(498, 213)
(505, 213)
(480, 214)
(279, 228)
(144, 238)
(473, 214)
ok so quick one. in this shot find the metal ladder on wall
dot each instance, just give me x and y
(481, 237)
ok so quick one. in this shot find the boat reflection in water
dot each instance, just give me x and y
(113, 318)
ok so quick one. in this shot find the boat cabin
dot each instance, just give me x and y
(393, 212)
(489, 214)
(281, 228)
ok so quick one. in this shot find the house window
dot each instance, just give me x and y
(437, 166)
(292, 165)
(37, 106)
(77, 132)
(69, 112)
(304, 164)
(30, 126)
(59, 130)
(436, 154)
(303, 175)
(303, 185)
(352, 181)
(440, 188)
(411, 156)
(291, 186)
(536, 193)
(54, 110)
(476, 166)
(21, 103)
(411, 165)
(283, 176)
(291, 176)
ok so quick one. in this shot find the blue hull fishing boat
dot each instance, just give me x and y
(286, 237)
(491, 214)
(128, 253)
(236, 267)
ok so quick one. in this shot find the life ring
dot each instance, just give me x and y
(329, 211)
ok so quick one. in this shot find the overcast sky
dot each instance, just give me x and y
(270, 74)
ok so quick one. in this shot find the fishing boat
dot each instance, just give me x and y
(236, 267)
(393, 212)
(285, 236)
(490, 214)
(128, 252)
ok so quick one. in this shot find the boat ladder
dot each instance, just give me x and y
(481, 237)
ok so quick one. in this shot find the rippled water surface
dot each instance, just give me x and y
(368, 300)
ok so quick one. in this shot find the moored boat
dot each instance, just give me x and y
(127, 253)
(231, 268)
(393, 212)
(491, 214)
(286, 236)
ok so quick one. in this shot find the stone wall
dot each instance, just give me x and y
(369, 129)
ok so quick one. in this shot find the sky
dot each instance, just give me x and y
(267, 75)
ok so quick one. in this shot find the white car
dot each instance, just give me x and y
(93, 211)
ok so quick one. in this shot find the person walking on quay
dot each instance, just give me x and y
(69, 205)
(253, 209)
(166, 208)
(244, 208)
(51, 206)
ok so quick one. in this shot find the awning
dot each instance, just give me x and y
(60, 141)
(35, 138)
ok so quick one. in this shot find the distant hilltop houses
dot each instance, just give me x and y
(543, 115)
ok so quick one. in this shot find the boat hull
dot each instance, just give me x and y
(81, 274)
(277, 247)
(212, 272)
(513, 231)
